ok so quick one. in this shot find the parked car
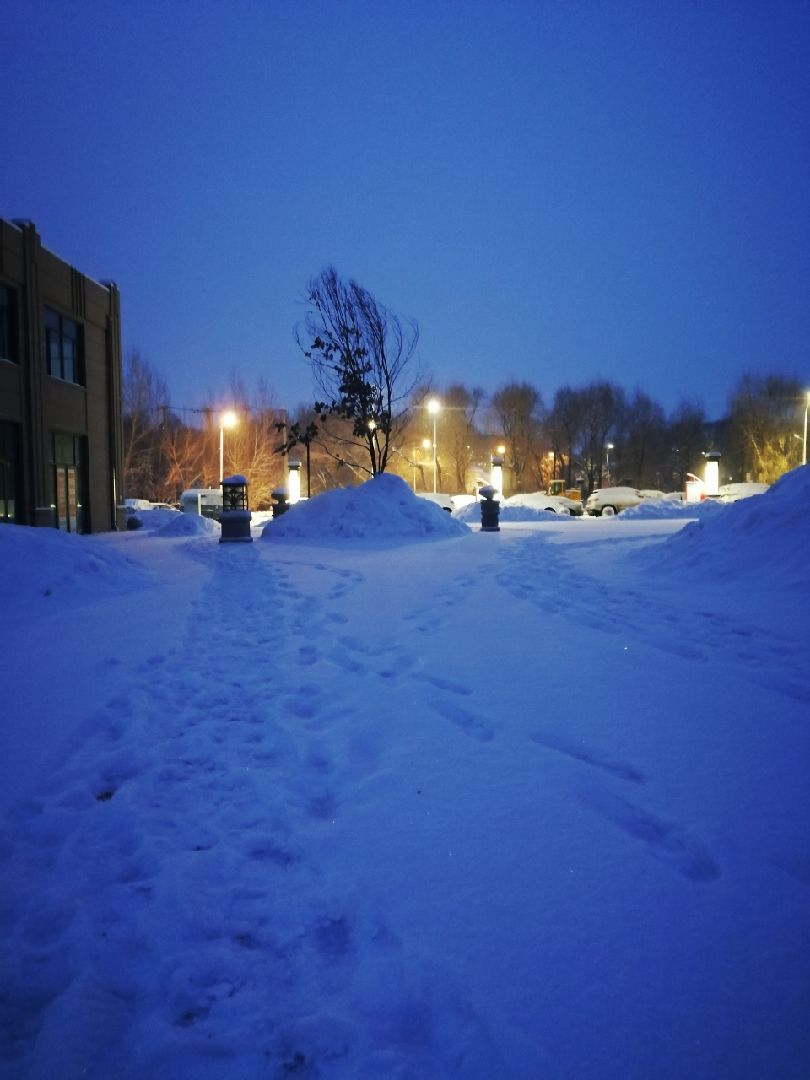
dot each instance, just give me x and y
(605, 502)
(439, 498)
(539, 500)
(729, 493)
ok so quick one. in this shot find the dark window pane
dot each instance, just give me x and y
(5, 324)
(64, 449)
(68, 359)
(54, 359)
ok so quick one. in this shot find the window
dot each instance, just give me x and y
(63, 353)
(7, 350)
(9, 472)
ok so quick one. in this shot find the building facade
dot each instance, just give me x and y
(60, 389)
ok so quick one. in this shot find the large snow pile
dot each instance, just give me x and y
(36, 564)
(763, 537)
(151, 519)
(383, 508)
(188, 525)
(664, 509)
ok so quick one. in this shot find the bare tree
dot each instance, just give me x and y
(643, 434)
(360, 352)
(603, 404)
(518, 408)
(144, 408)
(687, 439)
(565, 424)
(764, 417)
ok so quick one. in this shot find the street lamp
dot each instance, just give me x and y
(804, 443)
(608, 448)
(426, 445)
(434, 408)
(227, 420)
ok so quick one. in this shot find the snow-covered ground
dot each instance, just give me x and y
(382, 795)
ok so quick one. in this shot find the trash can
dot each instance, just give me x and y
(490, 509)
(235, 517)
(281, 501)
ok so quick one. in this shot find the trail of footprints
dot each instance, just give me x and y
(539, 573)
(244, 741)
(198, 730)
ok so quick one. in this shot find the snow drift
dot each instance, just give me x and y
(382, 509)
(764, 537)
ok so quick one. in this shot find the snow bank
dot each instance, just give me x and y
(664, 509)
(43, 563)
(151, 519)
(765, 537)
(384, 508)
(189, 525)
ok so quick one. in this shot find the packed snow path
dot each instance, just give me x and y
(459, 809)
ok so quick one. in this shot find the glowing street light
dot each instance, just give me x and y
(608, 448)
(227, 420)
(434, 408)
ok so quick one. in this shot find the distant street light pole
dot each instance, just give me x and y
(227, 420)
(426, 445)
(434, 408)
(608, 448)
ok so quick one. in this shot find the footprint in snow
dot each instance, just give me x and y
(448, 685)
(667, 841)
(588, 756)
(469, 722)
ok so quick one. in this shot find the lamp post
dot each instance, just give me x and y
(608, 448)
(434, 408)
(227, 420)
(426, 445)
(804, 443)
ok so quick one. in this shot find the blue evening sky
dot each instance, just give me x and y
(557, 191)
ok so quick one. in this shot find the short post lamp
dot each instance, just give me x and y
(434, 408)
(227, 420)
(235, 517)
(293, 482)
(711, 473)
(490, 509)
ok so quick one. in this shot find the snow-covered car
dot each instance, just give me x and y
(539, 500)
(606, 502)
(729, 493)
(439, 498)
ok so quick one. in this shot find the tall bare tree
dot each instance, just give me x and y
(565, 425)
(641, 439)
(144, 408)
(765, 412)
(687, 438)
(518, 408)
(361, 355)
(603, 404)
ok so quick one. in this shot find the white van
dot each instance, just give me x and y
(205, 501)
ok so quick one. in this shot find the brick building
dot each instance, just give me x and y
(60, 389)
